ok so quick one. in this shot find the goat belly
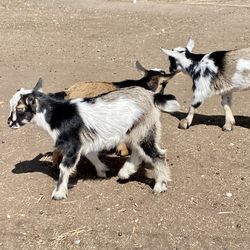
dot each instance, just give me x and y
(110, 120)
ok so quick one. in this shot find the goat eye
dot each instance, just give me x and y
(20, 111)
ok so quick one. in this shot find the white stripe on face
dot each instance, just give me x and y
(15, 99)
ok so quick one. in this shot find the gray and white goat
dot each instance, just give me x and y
(88, 126)
(215, 73)
(153, 79)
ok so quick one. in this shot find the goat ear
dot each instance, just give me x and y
(172, 53)
(39, 85)
(140, 68)
(190, 44)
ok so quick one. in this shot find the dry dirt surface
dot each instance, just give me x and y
(207, 204)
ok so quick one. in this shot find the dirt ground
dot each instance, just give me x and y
(81, 40)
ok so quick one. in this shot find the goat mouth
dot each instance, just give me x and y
(171, 74)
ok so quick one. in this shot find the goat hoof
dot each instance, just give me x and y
(183, 124)
(58, 195)
(102, 174)
(123, 174)
(160, 187)
(227, 128)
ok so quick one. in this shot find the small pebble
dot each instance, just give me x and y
(229, 194)
(77, 242)
(122, 210)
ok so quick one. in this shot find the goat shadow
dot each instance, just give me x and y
(214, 120)
(85, 170)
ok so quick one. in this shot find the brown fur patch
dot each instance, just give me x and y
(21, 106)
(88, 89)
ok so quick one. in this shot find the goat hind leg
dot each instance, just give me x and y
(131, 165)
(161, 169)
(226, 101)
(100, 167)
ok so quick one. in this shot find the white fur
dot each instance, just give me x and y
(170, 106)
(39, 119)
(183, 62)
(110, 127)
(100, 167)
(240, 79)
(156, 69)
(15, 99)
(190, 44)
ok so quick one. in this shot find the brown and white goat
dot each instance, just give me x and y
(153, 79)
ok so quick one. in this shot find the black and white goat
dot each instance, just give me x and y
(215, 73)
(88, 126)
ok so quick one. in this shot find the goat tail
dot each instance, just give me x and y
(166, 103)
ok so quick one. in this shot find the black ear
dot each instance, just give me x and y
(140, 68)
(31, 101)
(39, 85)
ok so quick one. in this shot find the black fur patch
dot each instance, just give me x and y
(196, 75)
(148, 145)
(91, 100)
(173, 66)
(197, 105)
(208, 72)
(150, 81)
(64, 116)
(194, 57)
(58, 95)
(219, 59)
(68, 142)
(162, 99)
(60, 114)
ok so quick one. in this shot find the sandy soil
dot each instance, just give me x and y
(76, 40)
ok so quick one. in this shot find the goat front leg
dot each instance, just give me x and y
(226, 101)
(67, 167)
(187, 121)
